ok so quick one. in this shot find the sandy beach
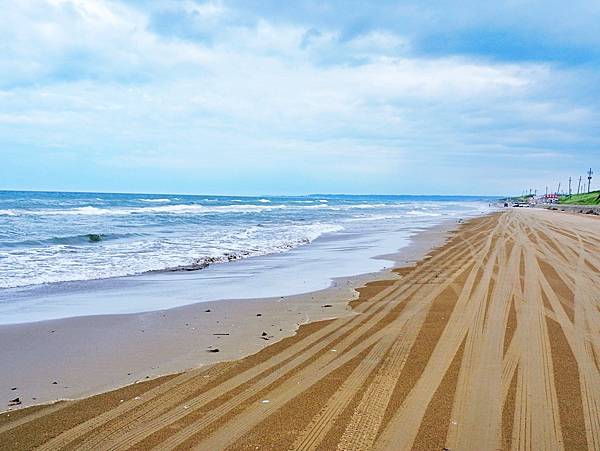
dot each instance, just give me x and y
(492, 341)
(88, 355)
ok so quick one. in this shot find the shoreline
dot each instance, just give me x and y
(499, 322)
(78, 352)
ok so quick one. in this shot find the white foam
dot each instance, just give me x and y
(189, 209)
(423, 213)
(89, 210)
(155, 200)
(200, 209)
(61, 263)
(172, 209)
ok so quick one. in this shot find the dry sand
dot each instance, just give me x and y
(491, 343)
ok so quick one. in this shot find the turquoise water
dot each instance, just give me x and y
(51, 242)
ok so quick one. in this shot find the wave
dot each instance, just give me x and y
(159, 209)
(422, 213)
(155, 200)
(90, 210)
(201, 209)
(264, 201)
(183, 254)
(382, 217)
(311, 233)
(71, 240)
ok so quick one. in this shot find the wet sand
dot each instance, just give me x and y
(493, 342)
(93, 354)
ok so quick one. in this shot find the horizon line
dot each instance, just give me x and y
(240, 195)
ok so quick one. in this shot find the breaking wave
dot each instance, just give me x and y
(155, 200)
(147, 255)
(90, 210)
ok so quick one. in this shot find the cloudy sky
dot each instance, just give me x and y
(271, 97)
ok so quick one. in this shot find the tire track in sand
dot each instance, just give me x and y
(522, 313)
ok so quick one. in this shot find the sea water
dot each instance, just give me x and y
(71, 254)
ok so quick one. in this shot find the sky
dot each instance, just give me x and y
(270, 97)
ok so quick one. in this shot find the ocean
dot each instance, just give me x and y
(58, 242)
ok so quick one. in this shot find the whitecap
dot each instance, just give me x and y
(88, 210)
(155, 200)
(62, 265)
(422, 213)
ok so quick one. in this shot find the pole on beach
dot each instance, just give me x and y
(579, 185)
(558, 189)
(569, 186)
(589, 173)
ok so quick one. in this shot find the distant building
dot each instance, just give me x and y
(550, 199)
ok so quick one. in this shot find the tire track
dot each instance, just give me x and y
(310, 375)
(522, 312)
(192, 428)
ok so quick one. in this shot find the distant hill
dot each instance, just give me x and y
(592, 198)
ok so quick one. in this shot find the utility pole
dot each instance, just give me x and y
(589, 173)
(546, 191)
(579, 185)
(558, 190)
(569, 186)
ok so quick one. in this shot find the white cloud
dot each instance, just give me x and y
(93, 74)
(205, 10)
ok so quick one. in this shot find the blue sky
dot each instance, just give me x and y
(270, 97)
